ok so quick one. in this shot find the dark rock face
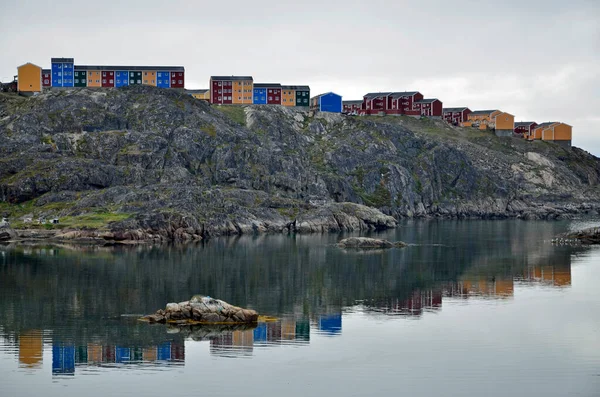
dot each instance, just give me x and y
(203, 309)
(588, 236)
(185, 170)
(6, 233)
(366, 243)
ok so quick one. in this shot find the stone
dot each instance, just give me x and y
(172, 307)
(367, 243)
(7, 233)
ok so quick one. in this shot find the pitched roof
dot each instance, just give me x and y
(130, 68)
(372, 95)
(428, 100)
(524, 123)
(546, 124)
(405, 93)
(454, 109)
(231, 78)
(478, 112)
(353, 102)
(29, 63)
(296, 87)
(267, 85)
(46, 70)
(325, 93)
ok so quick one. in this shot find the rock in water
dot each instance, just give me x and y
(588, 236)
(365, 242)
(205, 310)
(6, 233)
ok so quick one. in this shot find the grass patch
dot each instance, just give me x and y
(235, 113)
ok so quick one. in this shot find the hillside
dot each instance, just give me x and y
(142, 162)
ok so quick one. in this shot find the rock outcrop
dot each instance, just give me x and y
(203, 310)
(145, 163)
(590, 236)
(368, 243)
(6, 233)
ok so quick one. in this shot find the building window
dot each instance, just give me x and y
(111, 81)
(139, 81)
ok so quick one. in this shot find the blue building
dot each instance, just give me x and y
(63, 360)
(62, 72)
(259, 96)
(121, 78)
(331, 324)
(163, 79)
(328, 102)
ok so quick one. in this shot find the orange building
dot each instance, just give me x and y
(557, 132)
(203, 94)
(288, 96)
(31, 348)
(149, 77)
(481, 118)
(94, 78)
(242, 92)
(29, 78)
(504, 124)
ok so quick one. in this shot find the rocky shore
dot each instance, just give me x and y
(590, 236)
(144, 164)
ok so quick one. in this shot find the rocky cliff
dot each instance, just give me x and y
(142, 162)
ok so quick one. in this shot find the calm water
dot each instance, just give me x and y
(470, 308)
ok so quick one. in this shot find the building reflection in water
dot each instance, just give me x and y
(31, 348)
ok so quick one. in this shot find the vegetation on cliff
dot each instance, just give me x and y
(141, 162)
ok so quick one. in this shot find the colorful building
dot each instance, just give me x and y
(351, 107)
(29, 78)
(432, 107)
(557, 132)
(525, 128)
(456, 116)
(481, 118)
(328, 102)
(203, 94)
(295, 95)
(227, 90)
(46, 78)
(405, 103)
(267, 94)
(123, 76)
(62, 72)
(504, 124)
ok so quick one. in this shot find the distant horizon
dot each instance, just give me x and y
(508, 60)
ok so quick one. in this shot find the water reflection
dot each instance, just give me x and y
(69, 300)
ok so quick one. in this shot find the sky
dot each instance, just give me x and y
(538, 60)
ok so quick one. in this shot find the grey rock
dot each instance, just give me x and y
(366, 243)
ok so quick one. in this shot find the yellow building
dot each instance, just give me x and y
(203, 94)
(149, 77)
(288, 95)
(554, 131)
(503, 124)
(242, 91)
(481, 118)
(29, 78)
(31, 348)
(94, 78)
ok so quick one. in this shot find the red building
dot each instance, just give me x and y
(351, 107)
(273, 92)
(178, 80)
(108, 78)
(392, 103)
(430, 107)
(456, 116)
(221, 90)
(525, 127)
(46, 78)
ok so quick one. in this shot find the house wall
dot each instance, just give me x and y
(47, 79)
(163, 79)
(62, 74)
(302, 98)
(242, 92)
(80, 78)
(30, 78)
(94, 78)
(108, 78)
(505, 121)
(274, 96)
(288, 97)
(149, 77)
(121, 78)
(178, 80)
(135, 77)
(216, 91)
(563, 132)
(331, 103)
(259, 96)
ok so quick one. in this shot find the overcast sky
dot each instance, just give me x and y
(539, 60)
